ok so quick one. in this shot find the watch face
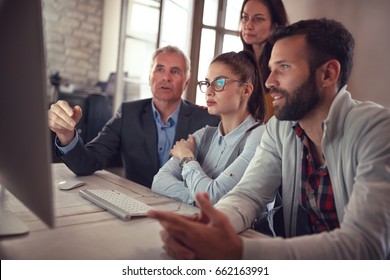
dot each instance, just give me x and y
(184, 160)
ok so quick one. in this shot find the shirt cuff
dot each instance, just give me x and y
(66, 149)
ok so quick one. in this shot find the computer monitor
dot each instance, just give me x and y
(24, 138)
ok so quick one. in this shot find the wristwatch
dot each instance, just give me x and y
(184, 160)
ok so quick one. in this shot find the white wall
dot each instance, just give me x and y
(369, 23)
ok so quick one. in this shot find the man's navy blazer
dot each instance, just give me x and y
(132, 132)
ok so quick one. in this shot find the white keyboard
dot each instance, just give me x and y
(117, 203)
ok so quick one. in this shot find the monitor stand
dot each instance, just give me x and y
(10, 224)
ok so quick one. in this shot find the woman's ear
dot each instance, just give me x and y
(330, 72)
(248, 89)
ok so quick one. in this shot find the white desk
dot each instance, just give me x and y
(85, 231)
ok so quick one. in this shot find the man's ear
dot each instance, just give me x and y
(330, 72)
(186, 84)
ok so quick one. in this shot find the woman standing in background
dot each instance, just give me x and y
(258, 19)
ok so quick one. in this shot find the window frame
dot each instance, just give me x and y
(198, 27)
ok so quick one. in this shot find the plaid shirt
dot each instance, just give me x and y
(316, 190)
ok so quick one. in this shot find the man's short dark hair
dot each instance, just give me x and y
(326, 39)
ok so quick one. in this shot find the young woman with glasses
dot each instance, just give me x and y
(214, 159)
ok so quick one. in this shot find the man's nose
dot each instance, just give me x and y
(167, 76)
(271, 81)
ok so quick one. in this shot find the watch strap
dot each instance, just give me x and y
(184, 160)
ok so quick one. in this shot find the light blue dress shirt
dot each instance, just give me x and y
(66, 149)
(165, 133)
(211, 177)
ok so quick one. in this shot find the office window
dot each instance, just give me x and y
(210, 12)
(176, 24)
(149, 26)
(142, 27)
(219, 34)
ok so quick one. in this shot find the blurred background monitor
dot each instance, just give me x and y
(24, 140)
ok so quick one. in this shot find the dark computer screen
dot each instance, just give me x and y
(24, 139)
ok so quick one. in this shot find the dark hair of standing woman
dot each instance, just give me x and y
(279, 17)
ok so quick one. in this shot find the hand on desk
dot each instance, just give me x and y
(62, 120)
(206, 236)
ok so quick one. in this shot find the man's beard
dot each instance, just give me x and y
(298, 103)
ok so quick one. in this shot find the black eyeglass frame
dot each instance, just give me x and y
(212, 84)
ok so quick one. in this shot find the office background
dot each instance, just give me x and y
(83, 42)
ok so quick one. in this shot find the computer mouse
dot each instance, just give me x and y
(70, 184)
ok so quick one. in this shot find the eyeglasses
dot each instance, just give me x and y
(217, 85)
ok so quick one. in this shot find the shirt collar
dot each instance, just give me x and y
(298, 130)
(172, 120)
(336, 116)
(233, 136)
